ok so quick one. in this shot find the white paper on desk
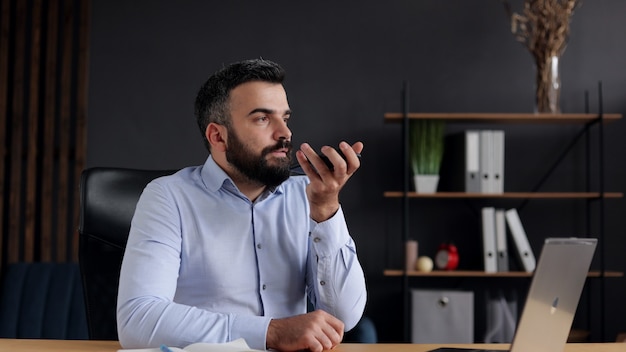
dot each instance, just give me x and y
(238, 345)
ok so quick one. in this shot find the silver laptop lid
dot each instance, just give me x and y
(554, 293)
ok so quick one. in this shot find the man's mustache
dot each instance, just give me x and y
(281, 144)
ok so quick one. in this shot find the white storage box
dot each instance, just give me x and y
(440, 316)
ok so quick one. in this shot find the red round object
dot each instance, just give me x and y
(447, 257)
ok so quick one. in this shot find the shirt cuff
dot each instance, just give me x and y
(253, 329)
(330, 235)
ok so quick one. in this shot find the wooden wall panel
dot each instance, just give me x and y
(5, 22)
(81, 109)
(47, 165)
(16, 138)
(43, 108)
(32, 151)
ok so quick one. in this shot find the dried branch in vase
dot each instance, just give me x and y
(543, 27)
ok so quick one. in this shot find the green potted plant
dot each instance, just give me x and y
(425, 153)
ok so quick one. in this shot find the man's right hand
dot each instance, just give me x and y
(315, 331)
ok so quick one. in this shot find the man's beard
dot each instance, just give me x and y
(256, 168)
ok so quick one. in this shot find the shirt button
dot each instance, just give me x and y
(322, 282)
(316, 239)
(258, 246)
(264, 286)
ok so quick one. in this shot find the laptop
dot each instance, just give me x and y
(553, 296)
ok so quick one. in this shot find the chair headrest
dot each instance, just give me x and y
(108, 197)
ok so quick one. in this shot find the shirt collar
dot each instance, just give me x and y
(215, 178)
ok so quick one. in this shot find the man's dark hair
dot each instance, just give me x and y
(212, 100)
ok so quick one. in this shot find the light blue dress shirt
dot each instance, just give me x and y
(204, 263)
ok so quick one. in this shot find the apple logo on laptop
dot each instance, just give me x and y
(555, 303)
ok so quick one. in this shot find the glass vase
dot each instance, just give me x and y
(548, 85)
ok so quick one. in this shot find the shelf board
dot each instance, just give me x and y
(507, 195)
(466, 273)
(505, 117)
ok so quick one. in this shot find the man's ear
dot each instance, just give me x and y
(217, 136)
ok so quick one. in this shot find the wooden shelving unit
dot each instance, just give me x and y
(587, 120)
(496, 118)
(516, 118)
(508, 195)
(478, 274)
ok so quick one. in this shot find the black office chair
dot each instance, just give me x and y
(108, 197)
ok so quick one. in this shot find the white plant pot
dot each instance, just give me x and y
(426, 183)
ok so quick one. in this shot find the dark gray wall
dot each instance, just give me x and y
(346, 61)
